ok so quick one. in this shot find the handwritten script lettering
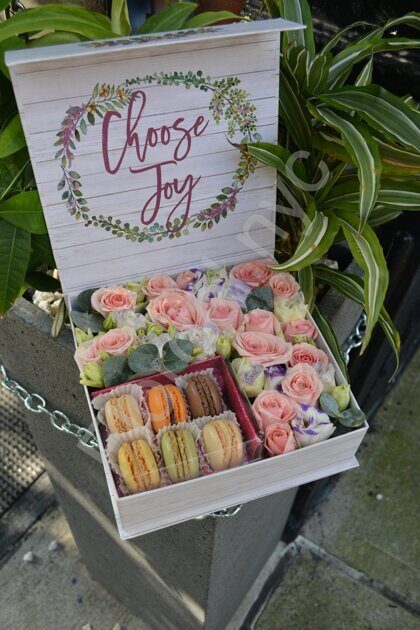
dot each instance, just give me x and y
(178, 137)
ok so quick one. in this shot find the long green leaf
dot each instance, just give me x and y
(170, 19)
(381, 109)
(332, 43)
(315, 241)
(367, 252)
(380, 216)
(300, 12)
(42, 250)
(273, 8)
(12, 138)
(277, 156)
(365, 76)
(57, 17)
(306, 279)
(394, 194)
(24, 210)
(352, 287)
(292, 110)
(364, 152)
(120, 19)
(42, 281)
(330, 337)
(15, 248)
(398, 161)
(210, 17)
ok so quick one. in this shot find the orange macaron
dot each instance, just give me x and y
(166, 405)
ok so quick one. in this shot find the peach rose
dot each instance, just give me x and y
(189, 280)
(302, 328)
(157, 284)
(279, 440)
(115, 342)
(111, 299)
(262, 348)
(302, 384)
(284, 285)
(307, 353)
(254, 273)
(272, 407)
(176, 307)
(226, 314)
(260, 320)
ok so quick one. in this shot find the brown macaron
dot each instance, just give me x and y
(203, 396)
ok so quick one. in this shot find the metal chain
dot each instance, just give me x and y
(355, 338)
(37, 404)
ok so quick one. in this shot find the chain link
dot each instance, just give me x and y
(355, 338)
(37, 404)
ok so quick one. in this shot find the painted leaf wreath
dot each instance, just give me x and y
(229, 102)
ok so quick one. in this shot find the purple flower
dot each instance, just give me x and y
(274, 376)
(311, 425)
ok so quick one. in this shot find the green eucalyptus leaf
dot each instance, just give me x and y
(329, 404)
(352, 418)
(145, 360)
(15, 249)
(25, 211)
(260, 297)
(177, 354)
(170, 19)
(42, 281)
(86, 321)
(12, 138)
(116, 371)
(83, 301)
(120, 19)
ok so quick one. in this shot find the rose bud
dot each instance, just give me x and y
(92, 375)
(311, 425)
(82, 336)
(279, 439)
(109, 322)
(250, 377)
(342, 395)
(274, 376)
(137, 287)
(223, 346)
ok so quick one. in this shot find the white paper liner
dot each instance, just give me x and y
(182, 380)
(136, 391)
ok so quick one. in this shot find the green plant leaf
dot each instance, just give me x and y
(352, 418)
(120, 19)
(381, 215)
(367, 252)
(15, 249)
(398, 161)
(292, 109)
(382, 110)
(12, 138)
(329, 405)
(394, 194)
(170, 19)
(177, 354)
(329, 335)
(24, 210)
(273, 8)
(58, 17)
(315, 241)
(297, 11)
(4, 4)
(42, 281)
(306, 281)
(260, 297)
(116, 371)
(332, 43)
(145, 360)
(353, 287)
(365, 76)
(277, 156)
(317, 73)
(59, 319)
(41, 248)
(210, 17)
(365, 154)
(86, 321)
(83, 301)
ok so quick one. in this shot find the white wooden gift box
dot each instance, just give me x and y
(82, 92)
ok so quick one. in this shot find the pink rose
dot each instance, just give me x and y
(262, 348)
(260, 320)
(300, 328)
(307, 353)
(272, 407)
(226, 314)
(284, 285)
(115, 342)
(177, 308)
(254, 273)
(187, 280)
(157, 284)
(279, 440)
(111, 299)
(302, 384)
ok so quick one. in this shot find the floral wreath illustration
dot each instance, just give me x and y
(228, 101)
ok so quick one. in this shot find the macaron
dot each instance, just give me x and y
(203, 396)
(138, 466)
(180, 455)
(166, 405)
(223, 444)
(122, 413)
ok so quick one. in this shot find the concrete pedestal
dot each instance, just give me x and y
(193, 575)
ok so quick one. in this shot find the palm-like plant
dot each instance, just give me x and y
(347, 157)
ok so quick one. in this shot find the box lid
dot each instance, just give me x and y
(134, 146)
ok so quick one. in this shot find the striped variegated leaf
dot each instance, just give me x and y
(292, 109)
(398, 161)
(352, 287)
(365, 76)
(334, 41)
(315, 241)
(394, 194)
(363, 151)
(306, 280)
(297, 11)
(329, 335)
(367, 252)
(317, 73)
(381, 215)
(382, 110)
